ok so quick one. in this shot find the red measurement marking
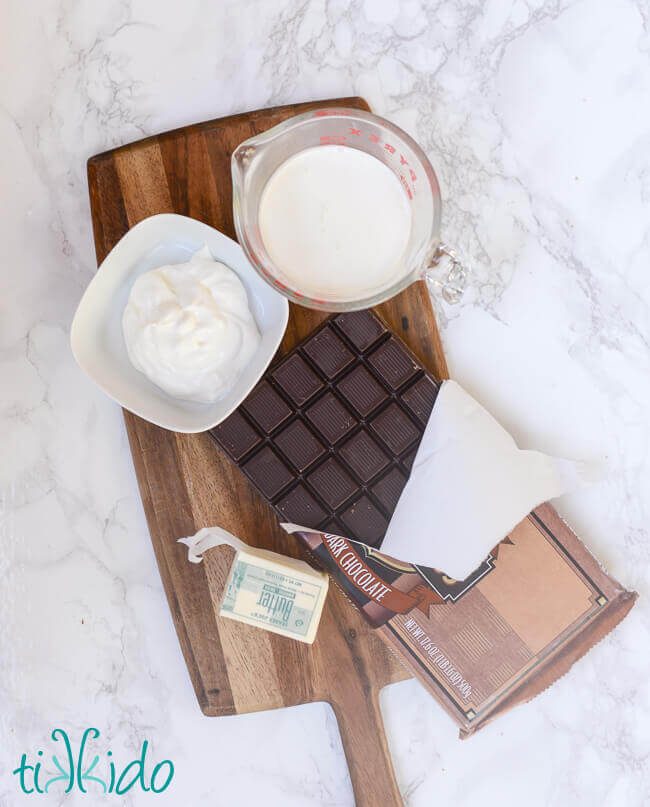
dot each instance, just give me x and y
(413, 175)
(374, 138)
(333, 139)
(390, 148)
(406, 186)
(402, 161)
(257, 264)
(355, 131)
(323, 113)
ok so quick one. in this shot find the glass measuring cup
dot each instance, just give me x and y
(425, 257)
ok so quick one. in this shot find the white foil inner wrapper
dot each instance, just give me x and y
(209, 537)
(470, 485)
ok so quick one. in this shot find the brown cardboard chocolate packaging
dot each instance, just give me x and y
(537, 603)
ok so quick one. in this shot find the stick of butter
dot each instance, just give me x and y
(265, 589)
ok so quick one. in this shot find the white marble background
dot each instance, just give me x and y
(536, 116)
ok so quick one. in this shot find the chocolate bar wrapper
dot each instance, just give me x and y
(480, 646)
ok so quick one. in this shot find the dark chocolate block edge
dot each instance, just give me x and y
(329, 434)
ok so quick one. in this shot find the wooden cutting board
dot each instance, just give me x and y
(187, 483)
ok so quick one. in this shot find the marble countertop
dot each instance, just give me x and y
(536, 118)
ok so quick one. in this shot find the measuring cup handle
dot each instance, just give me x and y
(446, 274)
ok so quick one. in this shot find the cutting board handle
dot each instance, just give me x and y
(366, 750)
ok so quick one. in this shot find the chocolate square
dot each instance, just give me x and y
(266, 470)
(332, 483)
(361, 328)
(407, 459)
(420, 397)
(331, 418)
(299, 445)
(360, 389)
(236, 435)
(395, 428)
(389, 489)
(328, 352)
(393, 363)
(364, 521)
(300, 507)
(297, 379)
(266, 407)
(333, 527)
(363, 456)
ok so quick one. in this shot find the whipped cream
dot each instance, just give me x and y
(189, 329)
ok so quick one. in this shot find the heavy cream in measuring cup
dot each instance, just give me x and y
(335, 221)
(189, 329)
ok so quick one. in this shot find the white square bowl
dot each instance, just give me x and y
(96, 334)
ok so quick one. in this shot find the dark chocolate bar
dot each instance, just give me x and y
(329, 434)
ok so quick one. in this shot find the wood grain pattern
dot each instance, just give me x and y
(186, 483)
